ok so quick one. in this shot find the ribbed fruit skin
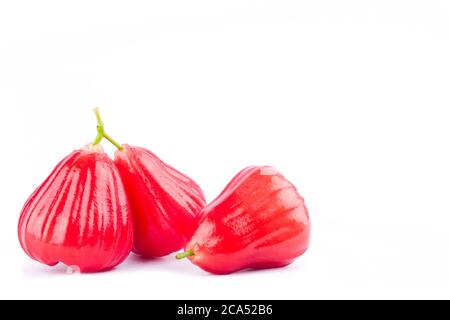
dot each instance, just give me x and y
(165, 202)
(258, 221)
(79, 216)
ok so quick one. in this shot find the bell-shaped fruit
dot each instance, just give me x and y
(80, 215)
(165, 203)
(258, 221)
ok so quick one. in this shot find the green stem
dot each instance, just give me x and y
(185, 254)
(101, 132)
(97, 115)
(114, 142)
(100, 127)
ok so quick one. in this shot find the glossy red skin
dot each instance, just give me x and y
(259, 221)
(79, 216)
(165, 203)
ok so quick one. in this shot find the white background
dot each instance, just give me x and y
(349, 99)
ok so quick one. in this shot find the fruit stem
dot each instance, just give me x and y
(100, 127)
(114, 142)
(101, 132)
(185, 254)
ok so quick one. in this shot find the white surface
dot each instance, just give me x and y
(349, 99)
